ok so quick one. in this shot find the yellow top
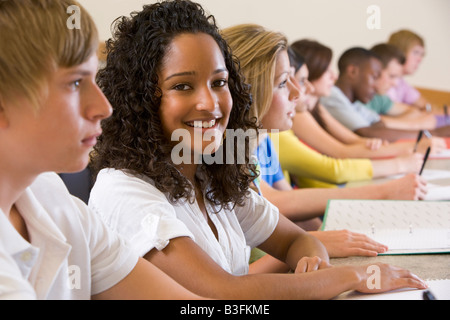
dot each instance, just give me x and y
(312, 169)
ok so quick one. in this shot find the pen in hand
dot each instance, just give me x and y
(419, 137)
(425, 160)
(446, 113)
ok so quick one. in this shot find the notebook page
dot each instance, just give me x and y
(404, 226)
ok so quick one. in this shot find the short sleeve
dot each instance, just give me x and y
(112, 259)
(353, 116)
(268, 162)
(258, 219)
(403, 93)
(381, 104)
(136, 210)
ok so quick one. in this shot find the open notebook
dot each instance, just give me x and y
(406, 227)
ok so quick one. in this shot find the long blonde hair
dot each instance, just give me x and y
(35, 39)
(256, 49)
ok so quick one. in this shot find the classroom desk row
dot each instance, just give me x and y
(426, 266)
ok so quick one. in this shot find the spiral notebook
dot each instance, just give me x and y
(406, 227)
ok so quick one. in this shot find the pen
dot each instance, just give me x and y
(446, 113)
(425, 160)
(427, 295)
(418, 140)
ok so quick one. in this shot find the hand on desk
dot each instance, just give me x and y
(344, 243)
(389, 278)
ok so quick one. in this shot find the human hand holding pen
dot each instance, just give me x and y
(410, 187)
(446, 113)
(425, 160)
(419, 137)
(437, 145)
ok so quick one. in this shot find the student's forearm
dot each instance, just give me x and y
(195, 270)
(401, 123)
(268, 264)
(289, 243)
(146, 282)
(385, 151)
(383, 168)
(320, 284)
(395, 134)
(190, 266)
(387, 133)
(314, 248)
(303, 204)
(441, 132)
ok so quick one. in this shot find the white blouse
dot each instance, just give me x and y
(141, 213)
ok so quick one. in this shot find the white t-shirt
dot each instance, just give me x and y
(141, 213)
(72, 254)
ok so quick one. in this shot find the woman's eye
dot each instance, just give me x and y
(181, 87)
(283, 84)
(220, 83)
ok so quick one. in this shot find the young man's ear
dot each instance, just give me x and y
(352, 71)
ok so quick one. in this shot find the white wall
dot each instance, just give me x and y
(338, 24)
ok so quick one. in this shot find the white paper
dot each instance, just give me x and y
(403, 226)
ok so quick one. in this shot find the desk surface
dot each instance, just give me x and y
(426, 266)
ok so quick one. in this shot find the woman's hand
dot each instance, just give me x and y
(344, 243)
(309, 264)
(375, 143)
(383, 277)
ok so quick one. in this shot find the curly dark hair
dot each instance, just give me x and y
(133, 138)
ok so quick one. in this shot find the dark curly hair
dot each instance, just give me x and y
(133, 138)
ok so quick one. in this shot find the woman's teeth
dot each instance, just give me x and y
(202, 124)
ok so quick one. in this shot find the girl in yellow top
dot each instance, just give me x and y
(308, 165)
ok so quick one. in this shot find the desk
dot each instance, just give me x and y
(426, 266)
